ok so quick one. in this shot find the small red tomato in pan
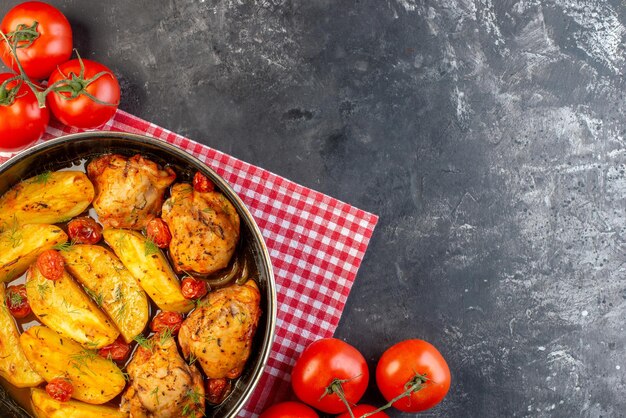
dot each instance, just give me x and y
(84, 230)
(202, 184)
(158, 232)
(166, 320)
(193, 288)
(117, 351)
(17, 301)
(51, 265)
(60, 389)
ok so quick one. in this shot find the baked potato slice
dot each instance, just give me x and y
(48, 198)
(20, 245)
(14, 367)
(63, 306)
(111, 286)
(150, 267)
(46, 407)
(96, 380)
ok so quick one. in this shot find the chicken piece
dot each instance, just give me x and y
(161, 384)
(204, 228)
(219, 332)
(129, 191)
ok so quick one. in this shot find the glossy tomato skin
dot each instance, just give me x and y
(320, 364)
(202, 184)
(399, 364)
(166, 320)
(289, 409)
(116, 351)
(84, 230)
(53, 46)
(362, 410)
(158, 231)
(193, 288)
(17, 301)
(23, 122)
(82, 112)
(60, 389)
(51, 265)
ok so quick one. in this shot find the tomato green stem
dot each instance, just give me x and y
(414, 384)
(336, 387)
(41, 97)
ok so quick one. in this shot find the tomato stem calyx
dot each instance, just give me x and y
(23, 36)
(336, 387)
(414, 384)
(8, 95)
(76, 85)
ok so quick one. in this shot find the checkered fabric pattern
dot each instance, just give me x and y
(316, 244)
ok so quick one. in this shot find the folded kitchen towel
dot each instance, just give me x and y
(316, 244)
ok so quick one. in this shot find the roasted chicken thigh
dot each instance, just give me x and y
(204, 228)
(219, 332)
(129, 191)
(162, 384)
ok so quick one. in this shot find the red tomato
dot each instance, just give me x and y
(413, 362)
(117, 351)
(289, 410)
(363, 409)
(324, 363)
(22, 121)
(44, 42)
(17, 301)
(166, 320)
(84, 230)
(217, 390)
(51, 265)
(60, 389)
(193, 288)
(202, 184)
(158, 232)
(73, 106)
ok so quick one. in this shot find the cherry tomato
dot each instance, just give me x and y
(289, 410)
(325, 362)
(407, 362)
(217, 390)
(60, 389)
(51, 265)
(166, 320)
(362, 410)
(84, 230)
(74, 108)
(193, 288)
(117, 351)
(17, 301)
(158, 232)
(202, 184)
(22, 121)
(44, 42)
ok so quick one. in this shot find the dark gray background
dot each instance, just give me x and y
(486, 134)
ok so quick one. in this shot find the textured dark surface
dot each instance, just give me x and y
(486, 134)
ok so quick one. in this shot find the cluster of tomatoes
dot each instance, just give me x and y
(36, 44)
(332, 376)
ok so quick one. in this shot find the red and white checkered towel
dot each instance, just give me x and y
(316, 244)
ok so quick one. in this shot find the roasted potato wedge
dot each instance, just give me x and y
(48, 198)
(46, 407)
(20, 245)
(14, 367)
(111, 286)
(96, 380)
(64, 307)
(150, 267)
